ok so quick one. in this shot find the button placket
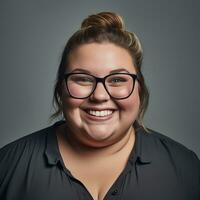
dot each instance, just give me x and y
(114, 192)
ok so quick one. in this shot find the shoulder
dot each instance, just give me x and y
(21, 150)
(29, 141)
(183, 158)
(171, 144)
(176, 167)
(21, 158)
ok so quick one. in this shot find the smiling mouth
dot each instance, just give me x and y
(102, 113)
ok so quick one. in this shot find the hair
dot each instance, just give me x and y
(100, 28)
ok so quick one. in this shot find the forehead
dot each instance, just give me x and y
(100, 59)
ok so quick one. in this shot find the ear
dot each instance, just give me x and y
(137, 85)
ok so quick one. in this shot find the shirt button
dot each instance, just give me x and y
(114, 192)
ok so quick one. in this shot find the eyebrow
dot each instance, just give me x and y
(111, 72)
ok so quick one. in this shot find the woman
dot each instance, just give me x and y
(102, 149)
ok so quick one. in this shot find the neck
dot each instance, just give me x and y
(83, 150)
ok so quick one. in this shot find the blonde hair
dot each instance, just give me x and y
(103, 27)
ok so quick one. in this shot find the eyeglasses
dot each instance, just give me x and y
(117, 85)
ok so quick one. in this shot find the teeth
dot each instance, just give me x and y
(100, 113)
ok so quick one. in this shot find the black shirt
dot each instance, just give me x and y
(158, 168)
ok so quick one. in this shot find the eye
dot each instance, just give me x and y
(81, 79)
(118, 80)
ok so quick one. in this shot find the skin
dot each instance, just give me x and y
(87, 137)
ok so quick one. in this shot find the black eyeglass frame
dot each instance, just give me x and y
(100, 80)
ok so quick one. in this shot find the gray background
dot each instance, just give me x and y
(33, 34)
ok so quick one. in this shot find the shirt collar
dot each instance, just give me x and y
(143, 146)
(52, 150)
(142, 151)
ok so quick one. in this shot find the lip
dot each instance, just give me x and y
(99, 109)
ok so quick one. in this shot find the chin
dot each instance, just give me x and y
(98, 132)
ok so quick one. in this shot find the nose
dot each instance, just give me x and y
(100, 93)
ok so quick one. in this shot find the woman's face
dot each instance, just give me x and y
(100, 60)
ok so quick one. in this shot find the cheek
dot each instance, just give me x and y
(132, 103)
(68, 102)
(71, 111)
(70, 105)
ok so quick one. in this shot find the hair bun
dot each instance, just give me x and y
(103, 20)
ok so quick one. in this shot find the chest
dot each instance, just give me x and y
(53, 183)
(97, 177)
